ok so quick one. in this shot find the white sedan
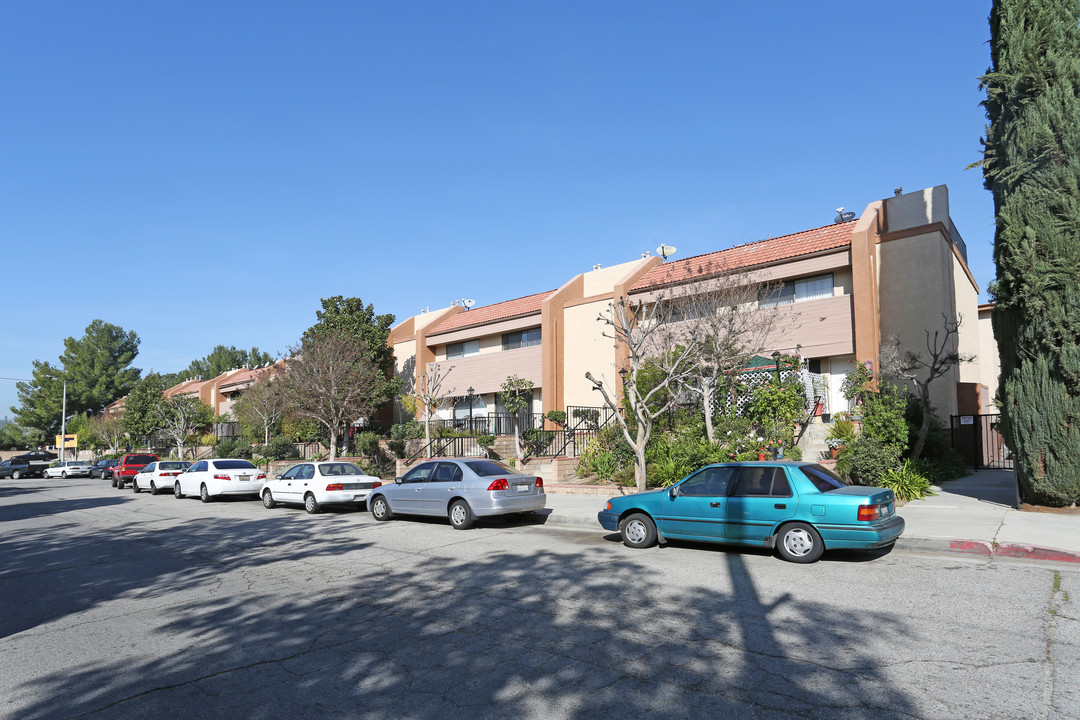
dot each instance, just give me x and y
(71, 468)
(158, 476)
(314, 484)
(225, 476)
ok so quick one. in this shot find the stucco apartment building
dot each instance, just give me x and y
(898, 270)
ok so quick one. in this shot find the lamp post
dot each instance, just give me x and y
(470, 391)
(63, 418)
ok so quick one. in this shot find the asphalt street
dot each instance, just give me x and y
(118, 605)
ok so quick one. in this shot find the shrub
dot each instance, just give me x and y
(907, 482)
(841, 433)
(866, 460)
(485, 441)
(397, 447)
(557, 416)
(883, 417)
(366, 444)
(278, 449)
(793, 453)
(233, 447)
(536, 442)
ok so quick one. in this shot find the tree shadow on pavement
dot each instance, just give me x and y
(544, 633)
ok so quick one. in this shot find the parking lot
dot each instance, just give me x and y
(119, 605)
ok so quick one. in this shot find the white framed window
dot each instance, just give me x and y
(524, 338)
(801, 290)
(463, 349)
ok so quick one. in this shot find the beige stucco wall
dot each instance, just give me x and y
(916, 284)
(598, 282)
(969, 333)
(915, 209)
(586, 350)
(989, 362)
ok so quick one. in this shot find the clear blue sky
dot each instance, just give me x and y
(204, 172)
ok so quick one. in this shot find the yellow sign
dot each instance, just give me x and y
(67, 440)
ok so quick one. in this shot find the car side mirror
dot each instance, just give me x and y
(398, 480)
(673, 492)
(277, 477)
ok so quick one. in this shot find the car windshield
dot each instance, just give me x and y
(339, 469)
(173, 465)
(823, 478)
(487, 468)
(233, 465)
(141, 459)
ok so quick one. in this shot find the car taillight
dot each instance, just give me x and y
(169, 474)
(334, 486)
(260, 476)
(376, 484)
(223, 477)
(539, 482)
(499, 484)
(869, 513)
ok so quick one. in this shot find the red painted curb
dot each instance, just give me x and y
(1033, 552)
(972, 547)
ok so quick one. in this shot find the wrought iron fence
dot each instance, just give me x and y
(978, 440)
(450, 447)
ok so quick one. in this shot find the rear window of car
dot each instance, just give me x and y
(233, 465)
(339, 469)
(173, 465)
(140, 459)
(823, 478)
(487, 468)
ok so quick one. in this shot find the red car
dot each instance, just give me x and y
(128, 467)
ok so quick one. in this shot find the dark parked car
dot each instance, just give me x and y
(128, 467)
(14, 469)
(103, 468)
(36, 462)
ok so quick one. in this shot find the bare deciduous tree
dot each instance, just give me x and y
(263, 404)
(331, 379)
(177, 417)
(943, 355)
(107, 429)
(725, 316)
(429, 395)
(638, 327)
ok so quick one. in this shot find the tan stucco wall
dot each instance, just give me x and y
(598, 282)
(916, 284)
(586, 350)
(967, 307)
(989, 362)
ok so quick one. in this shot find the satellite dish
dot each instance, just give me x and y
(842, 216)
(468, 303)
(665, 251)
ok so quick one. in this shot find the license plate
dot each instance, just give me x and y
(243, 478)
(523, 488)
(359, 498)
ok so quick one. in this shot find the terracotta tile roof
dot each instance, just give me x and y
(491, 313)
(807, 242)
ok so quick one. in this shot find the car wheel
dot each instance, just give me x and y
(16, 475)
(461, 515)
(153, 488)
(112, 481)
(380, 509)
(638, 531)
(268, 501)
(135, 487)
(204, 494)
(64, 474)
(799, 543)
(311, 504)
(176, 490)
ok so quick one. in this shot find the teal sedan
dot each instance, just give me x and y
(799, 508)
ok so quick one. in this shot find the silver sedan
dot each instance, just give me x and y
(71, 468)
(460, 490)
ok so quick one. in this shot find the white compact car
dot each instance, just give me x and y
(225, 476)
(158, 476)
(314, 484)
(71, 468)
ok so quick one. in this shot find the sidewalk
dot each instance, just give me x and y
(974, 515)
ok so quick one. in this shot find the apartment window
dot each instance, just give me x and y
(462, 349)
(793, 291)
(525, 338)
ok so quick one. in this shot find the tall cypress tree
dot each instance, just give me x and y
(1031, 163)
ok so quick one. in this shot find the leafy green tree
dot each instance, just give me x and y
(777, 407)
(516, 397)
(142, 416)
(354, 319)
(98, 371)
(223, 358)
(105, 431)
(1031, 164)
(16, 437)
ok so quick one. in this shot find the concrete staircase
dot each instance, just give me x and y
(812, 443)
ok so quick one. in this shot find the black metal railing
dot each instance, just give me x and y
(450, 447)
(569, 443)
(493, 423)
(583, 417)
